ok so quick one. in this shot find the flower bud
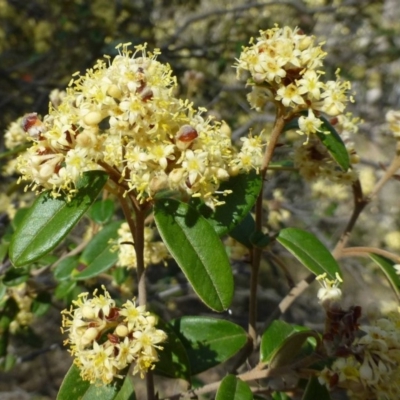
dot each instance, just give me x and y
(89, 336)
(33, 125)
(121, 330)
(185, 136)
(92, 118)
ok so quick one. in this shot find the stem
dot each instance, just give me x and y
(255, 374)
(392, 169)
(366, 251)
(256, 256)
(139, 249)
(359, 204)
(137, 229)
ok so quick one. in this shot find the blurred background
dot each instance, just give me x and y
(43, 43)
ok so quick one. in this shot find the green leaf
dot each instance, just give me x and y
(65, 267)
(309, 251)
(49, 220)
(244, 231)
(14, 277)
(97, 256)
(41, 304)
(127, 391)
(260, 239)
(245, 190)
(315, 391)
(174, 361)
(387, 266)
(73, 387)
(290, 349)
(280, 396)
(232, 388)
(334, 144)
(8, 312)
(274, 336)
(102, 211)
(198, 251)
(208, 341)
(19, 217)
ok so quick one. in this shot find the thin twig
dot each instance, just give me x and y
(366, 251)
(256, 256)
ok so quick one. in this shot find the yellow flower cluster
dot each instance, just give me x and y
(122, 116)
(284, 68)
(154, 251)
(371, 369)
(105, 339)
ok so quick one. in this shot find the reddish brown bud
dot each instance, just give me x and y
(186, 134)
(334, 120)
(114, 339)
(32, 125)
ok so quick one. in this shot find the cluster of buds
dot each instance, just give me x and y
(284, 68)
(369, 365)
(105, 339)
(366, 357)
(122, 116)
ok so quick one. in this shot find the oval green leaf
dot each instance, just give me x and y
(387, 266)
(232, 388)
(245, 190)
(73, 387)
(334, 144)
(97, 256)
(198, 251)
(309, 251)
(291, 347)
(273, 337)
(49, 220)
(208, 341)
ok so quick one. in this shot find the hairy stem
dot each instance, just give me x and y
(256, 256)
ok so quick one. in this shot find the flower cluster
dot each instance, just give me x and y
(284, 68)
(154, 251)
(23, 299)
(369, 366)
(105, 339)
(123, 117)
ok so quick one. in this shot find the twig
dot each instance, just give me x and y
(366, 251)
(256, 256)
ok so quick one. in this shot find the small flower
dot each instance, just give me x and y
(330, 292)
